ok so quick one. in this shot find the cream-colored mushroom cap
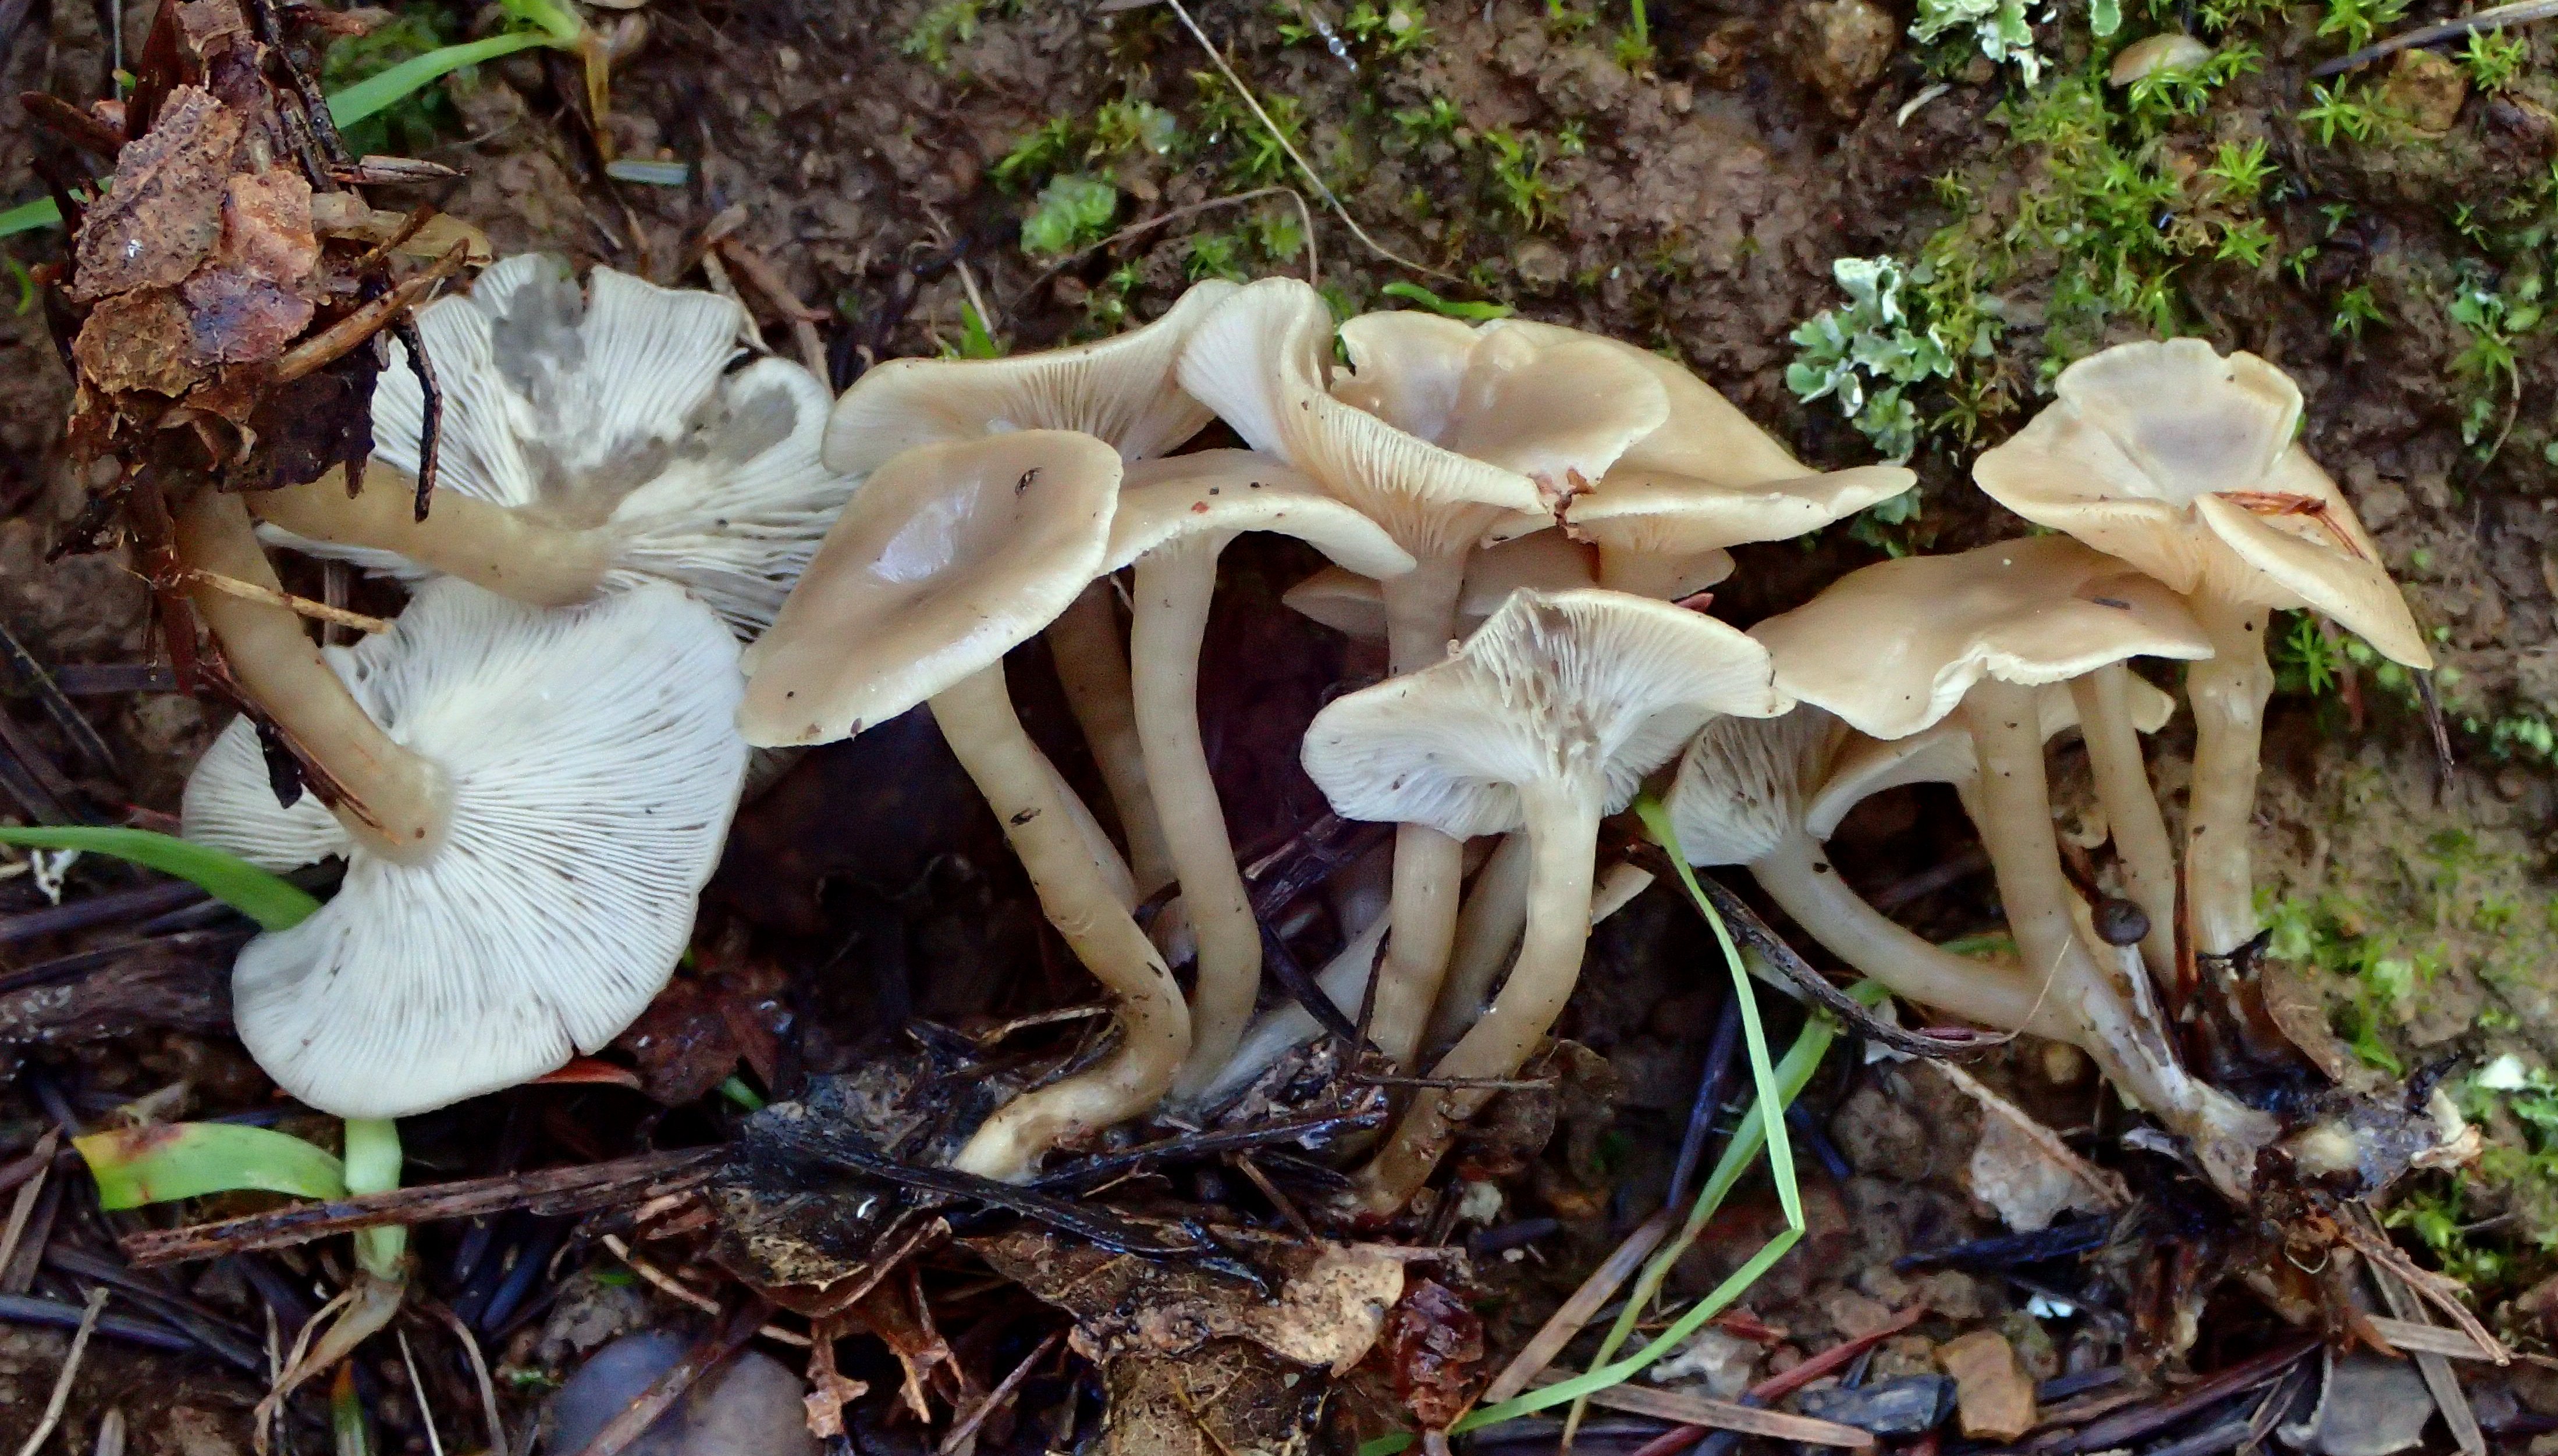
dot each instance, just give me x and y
(952, 555)
(1661, 519)
(1860, 768)
(615, 408)
(2181, 462)
(1258, 360)
(1702, 435)
(1894, 647)
(595, 762)
(1351, 603)
(1581, 686)
(1119, 390)
(1234, 491)
(1741, 783)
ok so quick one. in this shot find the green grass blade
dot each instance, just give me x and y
(1413, 293)
(374, 94)
(138, 1165)
(273, 902)
(28, 217)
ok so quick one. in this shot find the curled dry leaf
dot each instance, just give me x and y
(1434, 1349)
(163, 209)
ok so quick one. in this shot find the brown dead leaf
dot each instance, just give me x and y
(1329, 1311)
(1434, 1348)
(237, 318)
(266, 227)
(1227, 1399)
(138, 341)
(163, 210)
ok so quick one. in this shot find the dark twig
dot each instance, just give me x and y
(116, 907)
(49, 695)
(1308, 859)
(52, 1314)
(2007, 1251)
(2125, 1427)
(546, 1191)
(1299, 983)
(430, 438)
(199, 1325)
(1721, 1056)
(995, 1397)
(1204, 1145)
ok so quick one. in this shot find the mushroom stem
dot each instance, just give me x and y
(1799, 876)
(977, 718)
(1488, 929)
(509, 552)
(1562, 829)
(2228, 691)
(1084, 643)
(2117, 1019)
(1429, 867)
(1289, 1025)
(1174, 584)
(2131, 807)
(393, 801)
(373, 1167)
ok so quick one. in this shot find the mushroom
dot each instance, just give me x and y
(1768, 793)
(1899, 646)
(1434, 437)
(1122, 391)
(952, 555)
(591, 765)
(1707, 479)
(1354, 605)
(1173, 519)
(2183, 463)
(1546, 719)
(589, 442)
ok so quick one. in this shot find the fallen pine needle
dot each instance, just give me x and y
(303, 605)
(995, 1397)
(674, 1288)
(1579, 1310)
(71, 1371)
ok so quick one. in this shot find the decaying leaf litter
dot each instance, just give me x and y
(1500, 150)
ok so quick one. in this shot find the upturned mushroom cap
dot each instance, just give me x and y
(952, 555)
(1236, 490)
(1258, 360)
(1351, 603)
(1119, 390)
(1894, 647)
(1556, 686)
(614, 408)
(2181, 462)
(1706, 479)
(594, 763)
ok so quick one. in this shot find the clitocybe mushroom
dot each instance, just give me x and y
(952, 555)
(1899, 646)
(589, 440)
(1766, 793)
(1122, 391)
(1546, 719)
(1707, 479)
(2183, 463)
(1175, 518)
(1354, 605)
(592, 763)
(1434, 436)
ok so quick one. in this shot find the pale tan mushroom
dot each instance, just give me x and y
(1706, 480)
(1174, 520)
(1899, 646)
(950, 556)
(2183, 463)
(1466, 437)
(1545, 720)
(1122, 391)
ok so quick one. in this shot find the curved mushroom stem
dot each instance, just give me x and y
(1488, 930)
(1798, 876)
(373, 1167)
(976, 717)
(1429, 867)
(509, 552)
(1562, 829)
(394, 803)
(2131, 807)
(2229, 692)
(1084, 643)
(1173, 584)
(2117, 1019)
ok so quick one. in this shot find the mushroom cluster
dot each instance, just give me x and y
(1525, 515)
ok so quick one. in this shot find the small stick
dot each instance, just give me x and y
(1579, 1310)
(994, 1398)
(675, 1289)
(662, 1392)
(425, 1407)
(71, 1371)
(1269, 1190)
(1731, 1416)
(2108, 1187)
(28, 1193)
(430, 446)
(803, 320)
(338, 340)
(470, 1347)
(300, 605)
